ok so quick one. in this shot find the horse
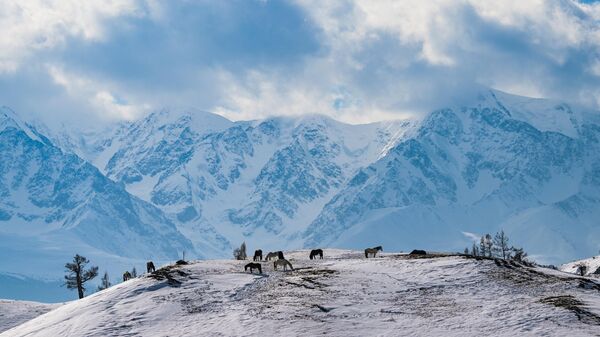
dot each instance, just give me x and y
(253, 266)
(280, 255)
(282, 262)
(418, 252)
(258, 255)
(150, 267)
(315, 252)
(126, 276)
(271, 255)
(373, 251)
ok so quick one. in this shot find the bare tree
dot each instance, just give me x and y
(501, 247)
(77, 274)
(104, 282)
(240, 253)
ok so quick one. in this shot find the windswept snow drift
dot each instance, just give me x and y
(341, 295)
(13, 313)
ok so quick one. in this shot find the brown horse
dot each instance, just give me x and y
(126, 276)
(150, 267)
(315, 252)
(284, 263)
(253, 266)
(271, 255)
(372, 251)
(258, 255)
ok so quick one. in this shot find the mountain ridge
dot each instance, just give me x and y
(434, 182)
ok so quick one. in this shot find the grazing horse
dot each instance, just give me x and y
(372, 251)
(126, 276)
(271, 255)
(253, 266)
(280, 255)
(315, 252)
(258, 255)
(150, 267)
(418, 252)
(282, 262)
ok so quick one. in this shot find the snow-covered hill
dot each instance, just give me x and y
(592, 264)
(13, 313)
(341, 295)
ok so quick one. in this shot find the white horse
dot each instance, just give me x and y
(282, 262)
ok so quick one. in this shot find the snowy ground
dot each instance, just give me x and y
(13, 313)
(592, 264)
(341, 295)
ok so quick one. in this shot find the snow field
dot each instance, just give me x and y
(342, 295)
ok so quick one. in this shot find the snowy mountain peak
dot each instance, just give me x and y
(198, 120)
(8, 118)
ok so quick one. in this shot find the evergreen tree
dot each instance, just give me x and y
(133, 272)
(501, 248)
(486, 245)
(582, 269)
(518, 254)
(482, 246)
(104, 282)
(466, 251)
(240, 253)
(77, 274)
(489, 245)
(475, 250)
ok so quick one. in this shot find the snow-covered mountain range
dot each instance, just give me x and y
(187, 180)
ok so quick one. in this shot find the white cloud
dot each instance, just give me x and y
(374, 60)
(97, 96)
(34, 25)
(398, 56)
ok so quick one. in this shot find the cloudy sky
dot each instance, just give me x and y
(357, 61)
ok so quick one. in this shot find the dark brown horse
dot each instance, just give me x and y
(150, 267)
(271, 256)
(373, 251)
(315, 252)
(258, 255)
(253, 266)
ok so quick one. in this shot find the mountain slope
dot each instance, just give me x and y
(390, 295)
(54, 205)
(528, 166)
(225, 182)
(477, 169)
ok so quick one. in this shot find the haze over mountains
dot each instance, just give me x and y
(193, 181)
